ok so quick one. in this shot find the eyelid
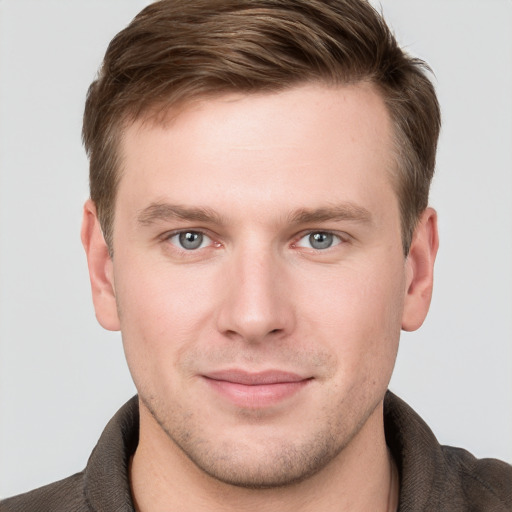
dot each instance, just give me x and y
(169, 235)
(340, 235)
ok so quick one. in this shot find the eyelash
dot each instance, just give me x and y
(169, 236)
(339, 239)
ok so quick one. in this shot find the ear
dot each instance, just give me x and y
(101, 270)
(420, 271)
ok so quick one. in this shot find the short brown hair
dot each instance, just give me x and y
(177, 50)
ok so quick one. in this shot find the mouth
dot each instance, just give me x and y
(256, 390)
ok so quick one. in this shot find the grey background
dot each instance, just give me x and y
(62, 376)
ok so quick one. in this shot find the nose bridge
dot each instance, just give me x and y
(256, 303)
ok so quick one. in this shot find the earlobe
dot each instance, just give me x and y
(420, 271)
(100, 269)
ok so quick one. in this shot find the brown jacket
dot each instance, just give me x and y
(432, 477)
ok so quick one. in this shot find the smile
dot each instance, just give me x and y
(255, 390)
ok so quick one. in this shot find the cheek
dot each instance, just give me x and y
(162, 314)
(357, 313)
(156, 294)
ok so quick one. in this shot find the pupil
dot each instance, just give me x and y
(191, 240)
(320, 240)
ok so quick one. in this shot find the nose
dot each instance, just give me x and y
(257, 303)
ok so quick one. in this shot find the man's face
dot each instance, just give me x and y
(259, 278)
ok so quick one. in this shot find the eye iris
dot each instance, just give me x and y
(190, 240)
(321, 240)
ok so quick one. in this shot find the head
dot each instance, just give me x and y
(258, 171)
(175, 52)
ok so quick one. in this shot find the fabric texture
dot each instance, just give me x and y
(432, 477)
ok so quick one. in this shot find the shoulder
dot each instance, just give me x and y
(486, 483)
(63, 496)
(103, 485)
(435, 477)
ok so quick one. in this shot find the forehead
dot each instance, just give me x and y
(307, 140)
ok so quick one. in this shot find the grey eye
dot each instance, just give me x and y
(190, 240)
(320, 240)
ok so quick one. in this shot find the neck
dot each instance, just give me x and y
(362, 477)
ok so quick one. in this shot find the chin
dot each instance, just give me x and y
(274, 465)
(258, 459)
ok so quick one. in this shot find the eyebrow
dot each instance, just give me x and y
(164, 212)
(346, 211)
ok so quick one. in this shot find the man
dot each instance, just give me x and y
(258, 230)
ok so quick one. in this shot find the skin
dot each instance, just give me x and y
(256, 176)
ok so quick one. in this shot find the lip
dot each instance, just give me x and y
(255, 390)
